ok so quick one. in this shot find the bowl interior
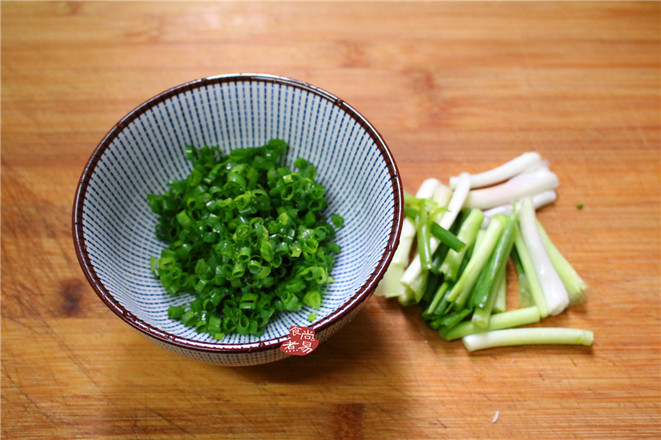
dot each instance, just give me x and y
(145, 151)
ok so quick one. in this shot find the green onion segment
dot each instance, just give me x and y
(456, 249)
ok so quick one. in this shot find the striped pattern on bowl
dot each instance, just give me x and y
(114, 226)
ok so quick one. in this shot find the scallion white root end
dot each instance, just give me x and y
(514, 189)
(555, 293)
(538, 200)
(575, 286)
(503, 172)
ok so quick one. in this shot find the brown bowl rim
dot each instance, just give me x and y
(364, 292)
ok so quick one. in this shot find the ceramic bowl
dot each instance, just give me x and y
(113, 226)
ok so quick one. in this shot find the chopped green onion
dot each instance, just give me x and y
(337, 220)
(176, 312)
(246, 236)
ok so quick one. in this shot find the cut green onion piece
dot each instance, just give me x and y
(518, 187)
(467, 234)
(538, 200)
(453, 319)
(503, 172)
(513, 318)
(531, 276)
(390, 286)
(446, 237)
(525, 297)
(484, 308)
(337, 220)
(435, 303)
(576, 287)
(528, 336)
(411, 212)
(424, 240)
(415, 276)
(484, 295)
(497, 262)
(461, 290)
(554, 290)
(176, 312)
(500, 305)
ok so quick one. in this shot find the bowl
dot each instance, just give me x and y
(113, 225)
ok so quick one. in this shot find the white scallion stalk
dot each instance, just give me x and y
(555, 293)
(516, 188)
(503, 172)
(390, 285)
(457, 201)
(575, 286)
(406, 240)
(536, 166)
(428, 187)
(414, 277)
(441, 197)
(528, 336)
(536, 293)
(538, 200)
(513, 318)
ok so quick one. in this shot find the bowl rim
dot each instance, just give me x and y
(364, 292)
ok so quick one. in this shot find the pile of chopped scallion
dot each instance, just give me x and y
(463, 235)
(247, 236)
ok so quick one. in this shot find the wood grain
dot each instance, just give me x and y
(451, 87)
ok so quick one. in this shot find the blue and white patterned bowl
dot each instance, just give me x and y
(113, 226)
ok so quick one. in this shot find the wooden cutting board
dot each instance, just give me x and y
(451, 87)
